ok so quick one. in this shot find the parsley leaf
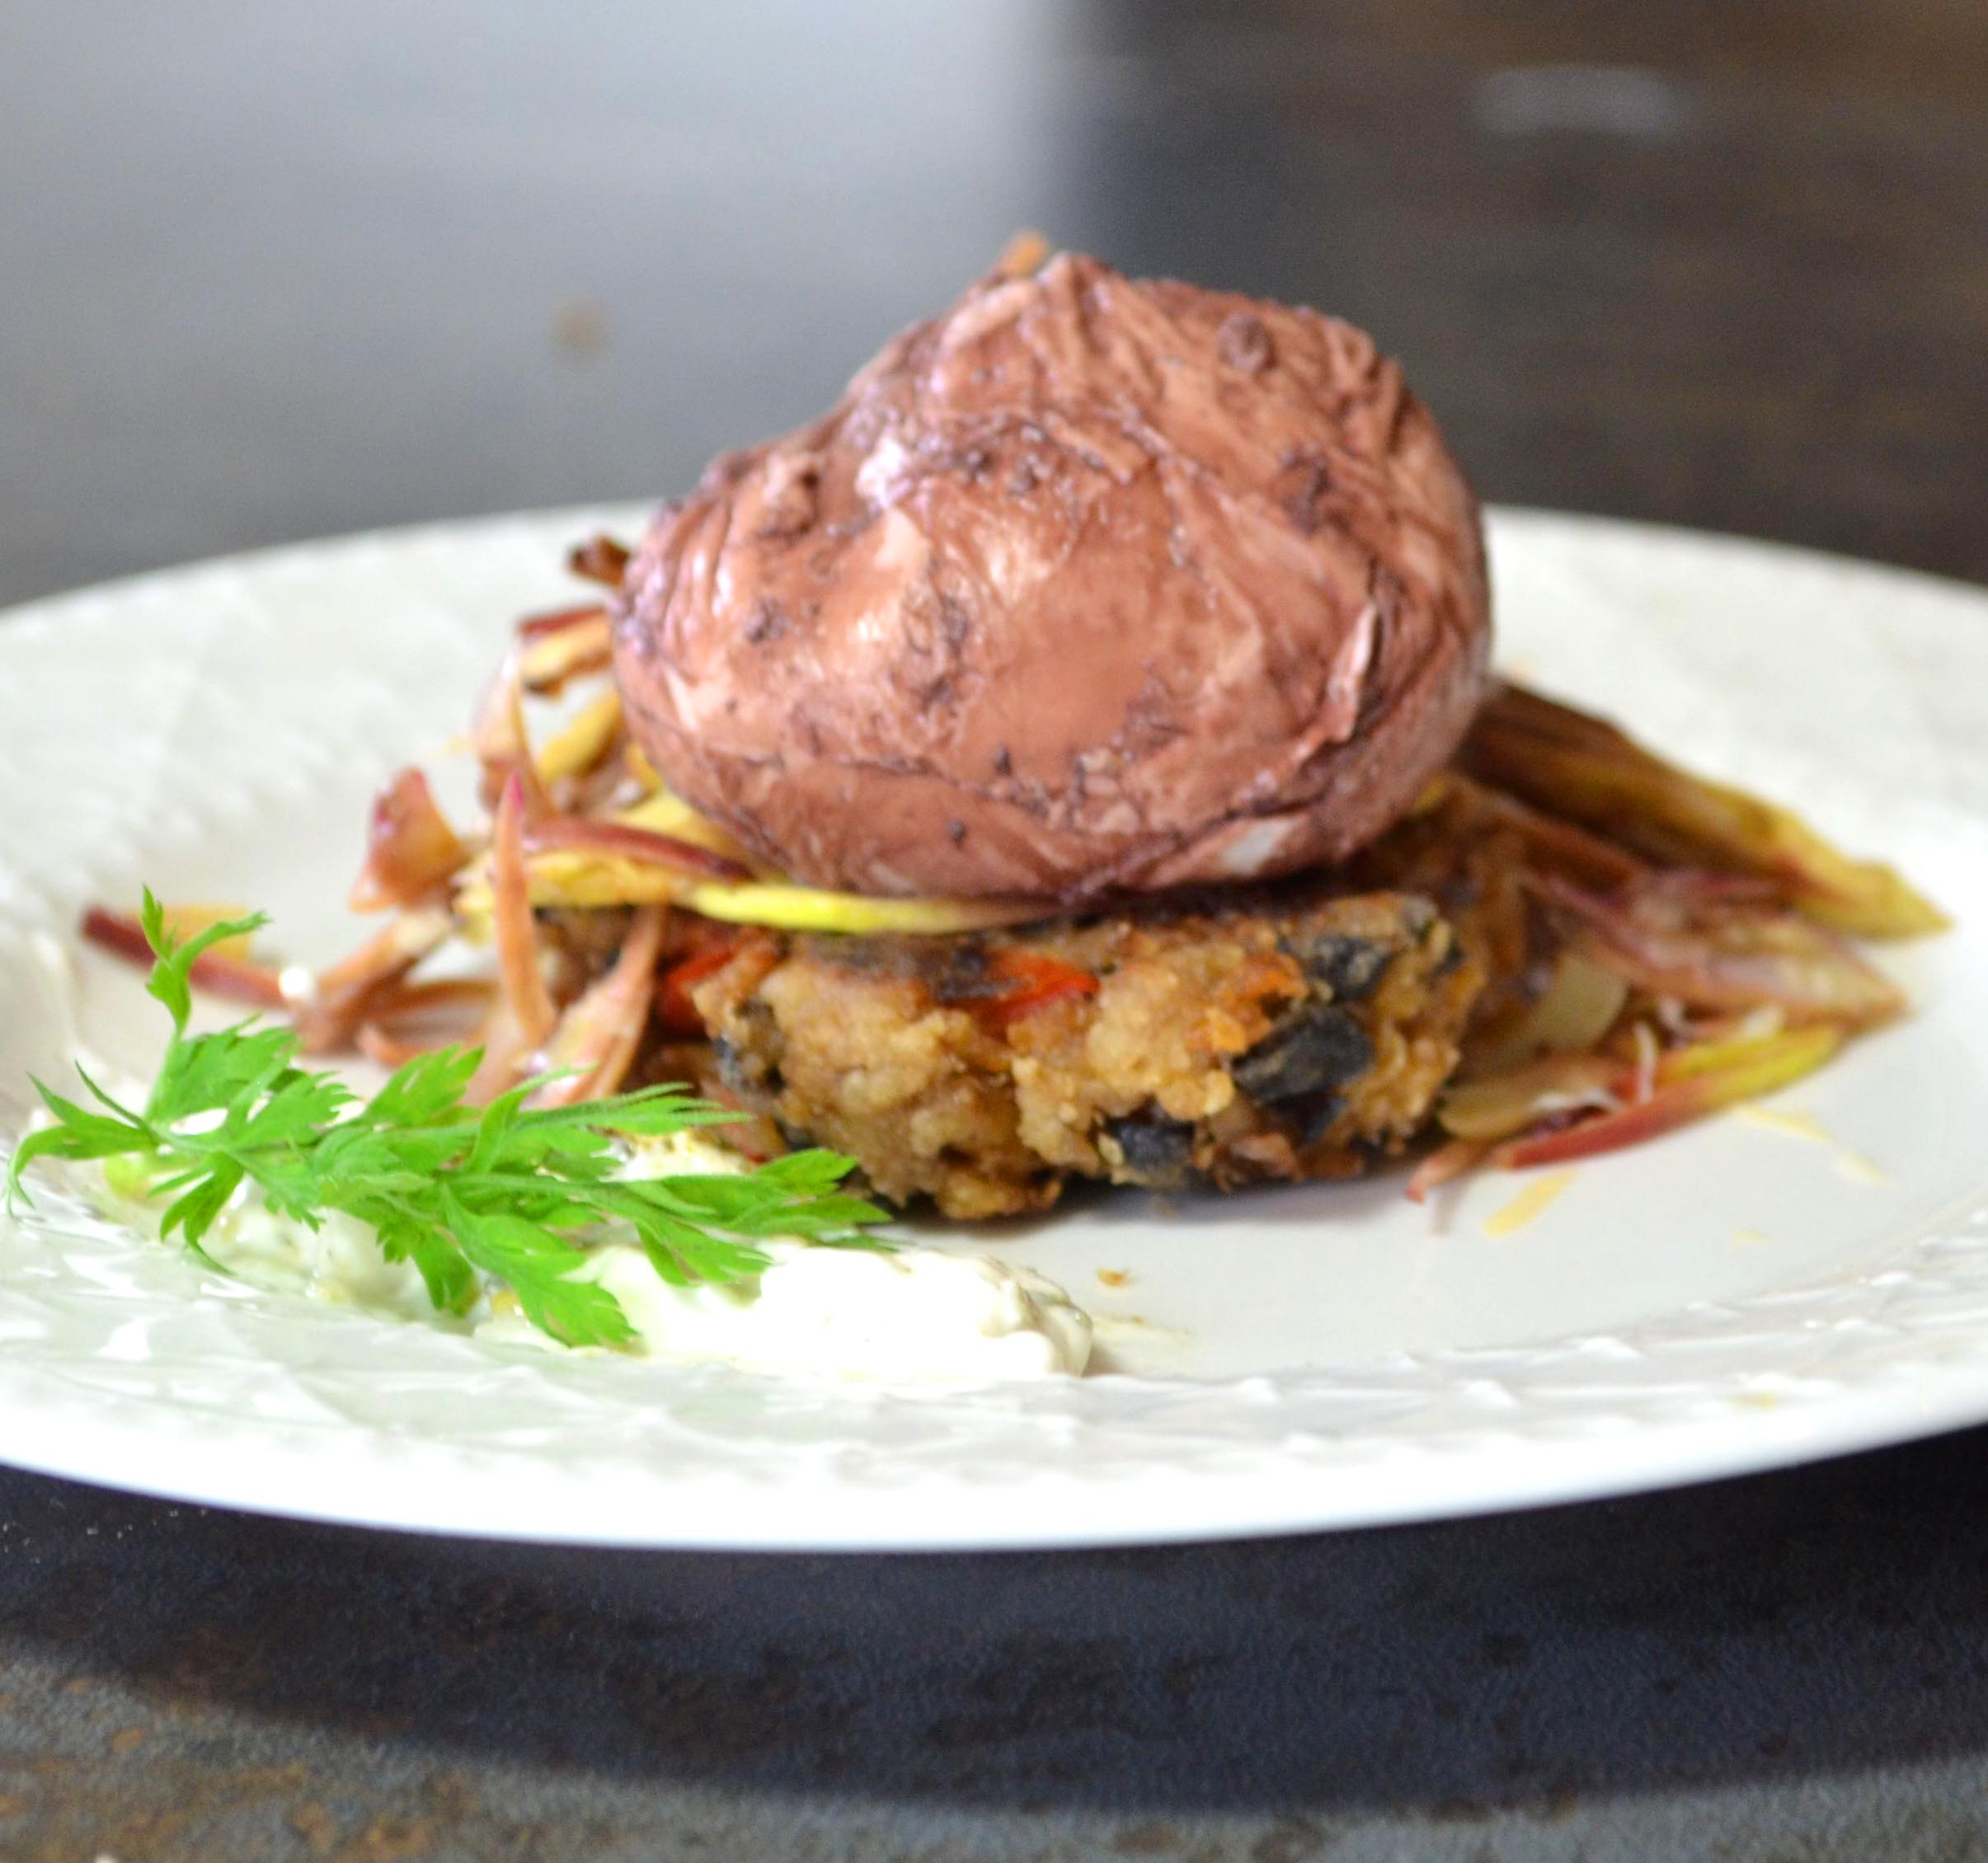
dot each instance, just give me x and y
(511, 1190)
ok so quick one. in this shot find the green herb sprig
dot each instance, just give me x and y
(508, 1188)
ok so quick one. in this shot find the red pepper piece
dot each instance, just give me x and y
(674, 1008)
(1034, 980)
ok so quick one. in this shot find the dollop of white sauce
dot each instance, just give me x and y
(913, 1315)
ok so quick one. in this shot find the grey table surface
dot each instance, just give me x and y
(272, 271)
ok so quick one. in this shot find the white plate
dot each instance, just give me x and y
(1729, 1298)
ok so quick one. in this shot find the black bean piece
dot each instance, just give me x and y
(1317, 1049)
(953, 970)
(957, 970)
(1311, 1117)
(1347, 966)
(1157, 1149)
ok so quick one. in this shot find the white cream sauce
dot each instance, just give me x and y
(914, 1315)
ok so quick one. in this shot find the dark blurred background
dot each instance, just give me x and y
(270, 272)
